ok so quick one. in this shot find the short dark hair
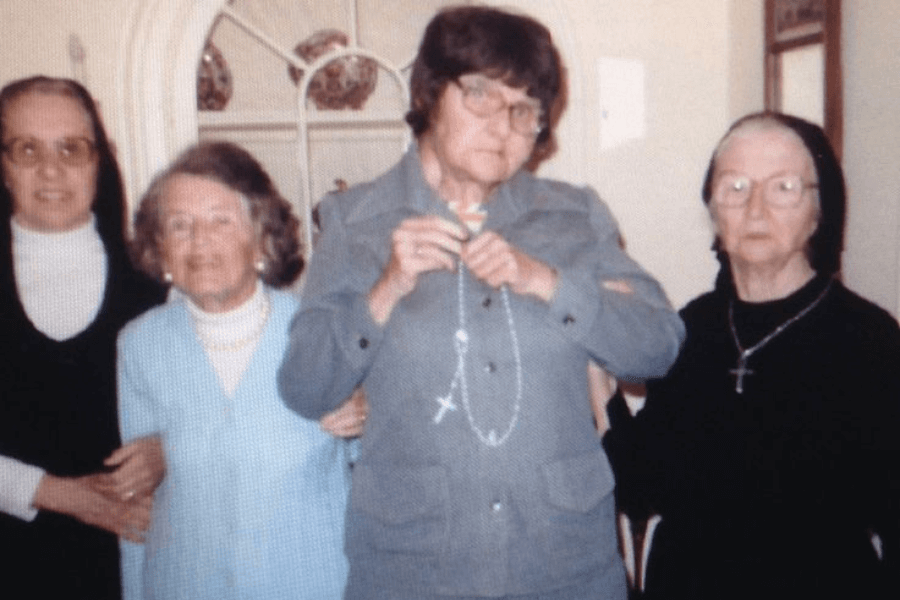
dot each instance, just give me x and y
(474, 39)
(238, 170)
(827, 242)
(109, 201)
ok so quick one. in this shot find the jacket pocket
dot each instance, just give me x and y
(578, 484)
(400, 509)
(580, 509)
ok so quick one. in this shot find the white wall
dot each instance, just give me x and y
(871, 53)
(27, 48)
(39, 43)
(746, 64)
(697, 78)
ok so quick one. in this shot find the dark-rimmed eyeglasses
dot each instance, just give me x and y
(781, 191)
(483, 98)
(69, 151)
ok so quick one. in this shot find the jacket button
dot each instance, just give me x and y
(486, 302)
(363, 343)
(490, 368)
(496, 506)
(568, 320)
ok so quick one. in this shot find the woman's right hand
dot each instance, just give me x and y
(418, 245)
(349, 419)
(84, 498)
(139, 467)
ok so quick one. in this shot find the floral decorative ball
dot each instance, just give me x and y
(214, 82)
(346, 81)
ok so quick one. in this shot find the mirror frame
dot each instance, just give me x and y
(827, 33)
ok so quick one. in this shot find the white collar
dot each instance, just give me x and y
(51, 242)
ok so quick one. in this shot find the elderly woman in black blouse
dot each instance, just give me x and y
(770, 449)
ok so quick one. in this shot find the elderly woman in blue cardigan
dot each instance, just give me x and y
(252, 503)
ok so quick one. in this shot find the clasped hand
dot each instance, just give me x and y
(119, 501)
(429, 243)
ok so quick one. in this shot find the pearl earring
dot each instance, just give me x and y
(260, 266)
(167, 277)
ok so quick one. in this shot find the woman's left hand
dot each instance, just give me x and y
(139, 468)
(602, 385)
(86, 498)
(497, 262)
(349, 419)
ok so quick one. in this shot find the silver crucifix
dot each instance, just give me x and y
(739, 372)
(446, 403)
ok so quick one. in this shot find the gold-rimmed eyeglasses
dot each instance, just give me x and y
(70, 151)
(780, 191)
(483, 98)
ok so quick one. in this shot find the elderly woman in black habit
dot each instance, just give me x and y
(468, 297)
(770, 449)
(66, 288)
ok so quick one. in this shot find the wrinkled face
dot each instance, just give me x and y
(762, 232)
(209, 244)
(485, 149)
(52, 194)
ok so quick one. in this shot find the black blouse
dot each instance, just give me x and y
(773, 492)
(58, 411)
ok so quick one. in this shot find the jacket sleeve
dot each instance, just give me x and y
(333, 338)
(606, 302)
(882, 386)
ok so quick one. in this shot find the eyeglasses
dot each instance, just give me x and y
(483, 98)
(779, 191)
(218, 223)
(70, 151)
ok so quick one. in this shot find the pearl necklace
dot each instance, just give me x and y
(460, 380)
(744, 355)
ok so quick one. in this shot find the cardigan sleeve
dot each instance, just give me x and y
(137, 407)
(137, 418)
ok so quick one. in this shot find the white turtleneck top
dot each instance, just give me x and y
(60, 277)
(230, 338)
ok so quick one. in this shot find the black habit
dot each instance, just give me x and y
(58, 411)
(773, 492)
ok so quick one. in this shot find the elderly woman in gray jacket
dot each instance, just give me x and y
(468, 297)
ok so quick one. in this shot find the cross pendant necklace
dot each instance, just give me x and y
(744, 355)
(473, 216)
(740, 371)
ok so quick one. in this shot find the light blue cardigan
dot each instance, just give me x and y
(252, 505)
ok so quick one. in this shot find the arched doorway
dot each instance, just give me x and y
(305, 148)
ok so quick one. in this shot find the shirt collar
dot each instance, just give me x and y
(415, 195)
